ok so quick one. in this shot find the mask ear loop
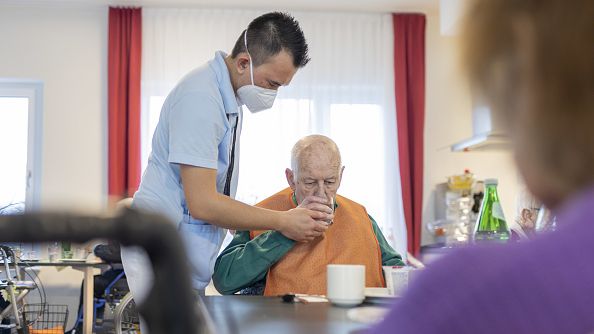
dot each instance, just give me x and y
(248, 52)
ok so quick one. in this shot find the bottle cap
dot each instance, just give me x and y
(491, 182)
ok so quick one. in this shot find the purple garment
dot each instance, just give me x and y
(542, 286)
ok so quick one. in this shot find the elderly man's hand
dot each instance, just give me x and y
(304, 225)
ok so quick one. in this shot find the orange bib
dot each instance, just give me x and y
(350, 240)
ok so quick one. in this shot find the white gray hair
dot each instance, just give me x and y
(308, 142)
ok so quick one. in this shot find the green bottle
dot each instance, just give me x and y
(490, 225)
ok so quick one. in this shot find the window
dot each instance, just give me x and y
(149, 120)
(13, 145)
(267, 139)
(20, 140)
(264, 135)
(357, 129)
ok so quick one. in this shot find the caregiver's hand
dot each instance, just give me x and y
(304, 225)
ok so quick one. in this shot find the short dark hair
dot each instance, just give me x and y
(270, 33)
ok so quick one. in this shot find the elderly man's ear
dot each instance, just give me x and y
(290, 178)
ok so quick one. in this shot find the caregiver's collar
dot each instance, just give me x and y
(224, 82)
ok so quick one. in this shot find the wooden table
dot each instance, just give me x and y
(257, 314)
(87, 268)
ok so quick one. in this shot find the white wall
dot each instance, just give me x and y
(66, 48)
(448, 120)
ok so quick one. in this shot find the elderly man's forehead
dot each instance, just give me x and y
(319, 153)
(319, 165)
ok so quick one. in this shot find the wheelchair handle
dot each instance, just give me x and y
(169, 306)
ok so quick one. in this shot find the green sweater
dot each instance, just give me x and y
(244, 263)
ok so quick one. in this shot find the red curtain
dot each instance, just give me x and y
(409, 71)
(124, 55)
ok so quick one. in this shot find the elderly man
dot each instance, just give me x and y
(266, 262)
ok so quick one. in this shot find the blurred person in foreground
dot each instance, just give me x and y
(533, 62)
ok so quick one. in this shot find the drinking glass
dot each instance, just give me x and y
(66, 250)
(52, 251)
(331, 205)
(545, 220)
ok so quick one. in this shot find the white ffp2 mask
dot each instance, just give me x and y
(256, 98)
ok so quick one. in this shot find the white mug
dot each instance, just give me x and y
(345, 284)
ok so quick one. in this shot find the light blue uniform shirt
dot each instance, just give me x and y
(195, 128)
